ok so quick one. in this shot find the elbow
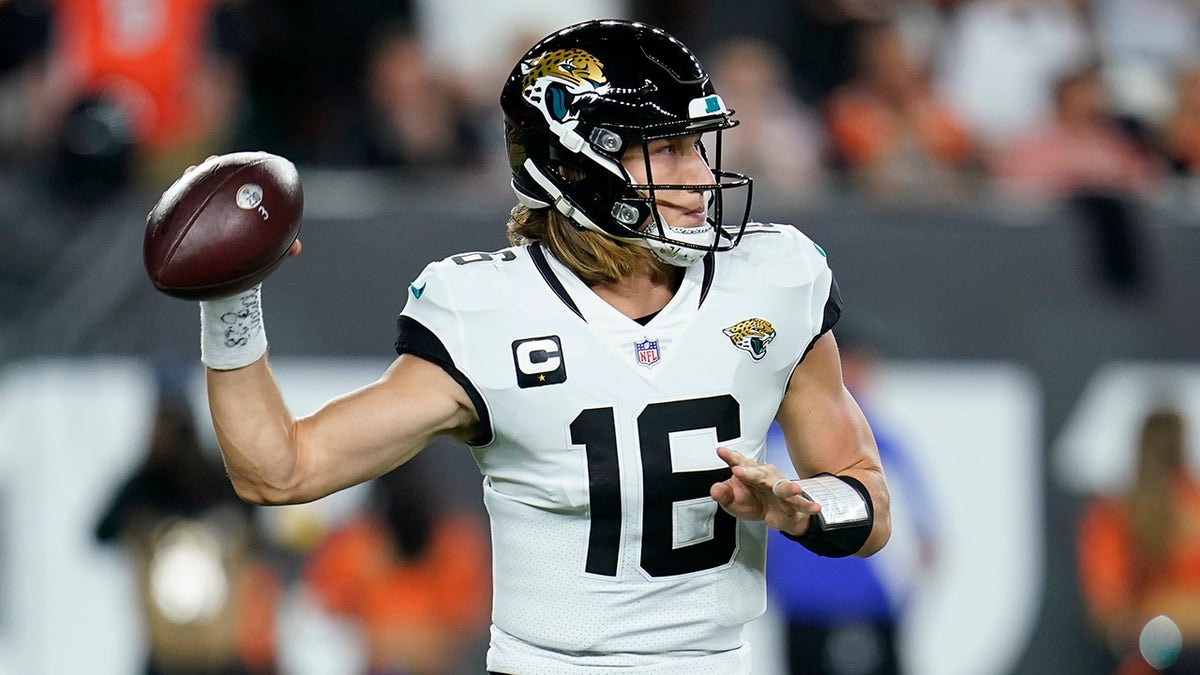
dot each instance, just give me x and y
(261, 493)
(881, 527)
(881, 532)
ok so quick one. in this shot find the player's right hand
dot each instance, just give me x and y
(296, 246)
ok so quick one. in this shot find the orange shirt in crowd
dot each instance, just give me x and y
(416, 612)
(146, 55)
(1119, 589)
(867, 131)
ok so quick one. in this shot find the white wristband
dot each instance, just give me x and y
(231, 330)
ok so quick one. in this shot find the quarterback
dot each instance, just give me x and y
(614, 372)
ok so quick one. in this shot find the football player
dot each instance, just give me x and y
(614, 372)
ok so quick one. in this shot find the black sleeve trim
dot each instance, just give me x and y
(833, 307)
(833, 312)
(414, 338)
(840, 542)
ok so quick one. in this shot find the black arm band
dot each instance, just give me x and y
(838, 542)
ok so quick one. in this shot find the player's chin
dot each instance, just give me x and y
(687, 220)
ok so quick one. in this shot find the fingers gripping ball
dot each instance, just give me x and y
(224, 226)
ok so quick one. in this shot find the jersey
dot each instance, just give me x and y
(600, 443)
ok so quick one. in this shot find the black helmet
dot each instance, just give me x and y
(582, 96)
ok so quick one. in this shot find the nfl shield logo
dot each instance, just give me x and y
(647, 352)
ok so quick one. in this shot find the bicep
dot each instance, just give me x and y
(372, 430)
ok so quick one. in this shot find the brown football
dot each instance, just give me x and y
(224, 226)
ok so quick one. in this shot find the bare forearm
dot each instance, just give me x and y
(273, 458)
(256, 432)
(827, 432)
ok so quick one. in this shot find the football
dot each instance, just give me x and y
(224, 226)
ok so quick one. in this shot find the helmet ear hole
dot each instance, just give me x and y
(570, 174)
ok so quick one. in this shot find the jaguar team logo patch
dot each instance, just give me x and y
(751, 336)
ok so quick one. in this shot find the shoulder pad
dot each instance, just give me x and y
(781, 254)
(466, 281)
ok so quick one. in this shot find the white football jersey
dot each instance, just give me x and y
(599, 444)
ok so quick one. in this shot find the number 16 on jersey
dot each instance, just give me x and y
(662, 487)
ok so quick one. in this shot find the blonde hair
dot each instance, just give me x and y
(593, 257)
(1151, 508)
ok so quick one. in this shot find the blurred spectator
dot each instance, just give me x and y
(206, 598)
(1181, 128)
(1084, 159)
(143, 82)
(1139, 552)
(823, 38)
(24, 39)
(998, 60)
(304, 66)
(843, 616)
(1080, 149)
(1143, 43)
(816, 37)
(414, 575)
(475, 43)
(890, 130)
(780, 141)
(413, 115)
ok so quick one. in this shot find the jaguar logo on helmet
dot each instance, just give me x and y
(555, 80)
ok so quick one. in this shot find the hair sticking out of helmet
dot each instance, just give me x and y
(582, 97)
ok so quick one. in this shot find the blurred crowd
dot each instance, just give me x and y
(1095, 103)
(222, 586)
(896, 100)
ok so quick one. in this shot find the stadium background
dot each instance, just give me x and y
(1018, 364)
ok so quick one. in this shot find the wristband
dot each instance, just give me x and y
(846, 527)
(231, 330)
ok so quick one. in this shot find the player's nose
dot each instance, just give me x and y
(696, 170)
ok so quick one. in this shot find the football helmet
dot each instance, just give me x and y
(579, 98)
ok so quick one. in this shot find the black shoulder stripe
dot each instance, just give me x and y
(833, 312)
(412, 337)
(833, 307)
(543, 268)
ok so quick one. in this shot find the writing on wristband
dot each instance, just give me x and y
(231, 330)
(845, 521)
(841, 504)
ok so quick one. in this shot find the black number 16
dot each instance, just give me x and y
(662, 487)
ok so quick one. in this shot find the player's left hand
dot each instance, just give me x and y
(759, 492)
